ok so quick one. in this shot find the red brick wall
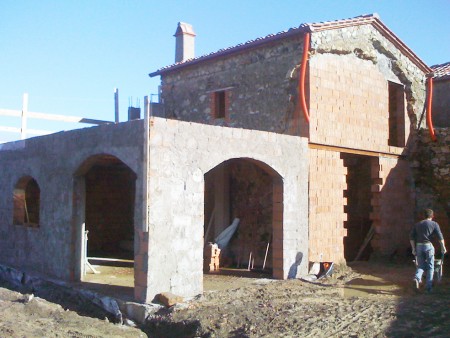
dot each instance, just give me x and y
(348, 103)
(326, 206)
(392, 205)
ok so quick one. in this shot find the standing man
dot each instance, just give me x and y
(420, 239)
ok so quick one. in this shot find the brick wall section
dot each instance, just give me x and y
(367, 44)
(326, 206)
(349, 103)
(392, 205)
(180, 155)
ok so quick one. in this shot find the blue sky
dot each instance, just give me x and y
(70, 55)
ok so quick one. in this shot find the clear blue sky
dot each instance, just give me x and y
(70, 55)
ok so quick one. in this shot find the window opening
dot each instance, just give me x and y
(396, 115)
(26, 202)
(219, 111)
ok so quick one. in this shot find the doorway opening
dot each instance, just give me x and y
(358, 206)
(108, 218)
(248, 194)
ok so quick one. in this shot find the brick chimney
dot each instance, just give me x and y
(185, 42)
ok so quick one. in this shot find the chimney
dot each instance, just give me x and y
(185, 41)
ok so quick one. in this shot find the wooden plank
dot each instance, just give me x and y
(10, 129)
(111, 259)
(23, 129)
(10, 112)
(65, 118)
(116, 104)
(354, 151)
(52, 117)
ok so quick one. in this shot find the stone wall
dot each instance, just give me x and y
(54, 248)
(260, 84)
(431, 164)
(181, 153)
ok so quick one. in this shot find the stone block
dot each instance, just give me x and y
(169, 299)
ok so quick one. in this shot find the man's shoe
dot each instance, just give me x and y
(416, 284)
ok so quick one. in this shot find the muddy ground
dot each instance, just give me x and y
(373, 299)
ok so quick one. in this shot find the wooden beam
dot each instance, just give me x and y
(10, 129)
(23, 129)
(354, 151)
(116, 104)
(10, 112)
(52, 117)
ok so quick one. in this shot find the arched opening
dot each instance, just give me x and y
(26, 198)
(106, 189)
(251, 193)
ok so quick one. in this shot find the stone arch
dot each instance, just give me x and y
(252, 191)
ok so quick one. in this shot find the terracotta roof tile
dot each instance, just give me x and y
(442, 71)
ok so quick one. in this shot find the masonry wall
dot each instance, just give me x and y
(261, 87)
(355, 90)
(53, 248)
(393, 205)
(180, 155)
(430, 163)
(349, 103)
(326, 206)
(349, 72)
(441, 103)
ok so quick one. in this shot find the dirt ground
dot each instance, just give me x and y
(373, 299)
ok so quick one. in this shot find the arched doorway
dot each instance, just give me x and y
(252, 192)
(105, 187)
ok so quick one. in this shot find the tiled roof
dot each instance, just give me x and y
(442, 71)
(305, 27)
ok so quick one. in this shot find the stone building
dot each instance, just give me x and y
(364, 93)
(304, 136)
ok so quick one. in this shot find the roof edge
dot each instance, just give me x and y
(234, 49)
(373, 19)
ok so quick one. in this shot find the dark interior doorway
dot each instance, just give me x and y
(240, 188)
(358, 206)
(109, 210)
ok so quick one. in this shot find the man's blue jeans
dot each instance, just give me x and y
(425, 262)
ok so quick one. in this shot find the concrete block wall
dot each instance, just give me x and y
(393, 196)
(180, 155)
(327, 183)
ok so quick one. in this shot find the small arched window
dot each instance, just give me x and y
(26, 202)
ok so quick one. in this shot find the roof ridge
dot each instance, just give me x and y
(304, 27)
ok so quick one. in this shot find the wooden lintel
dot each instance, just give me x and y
(353, 151)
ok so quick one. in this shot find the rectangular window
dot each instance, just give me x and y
(397, 114)
(220, 105)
